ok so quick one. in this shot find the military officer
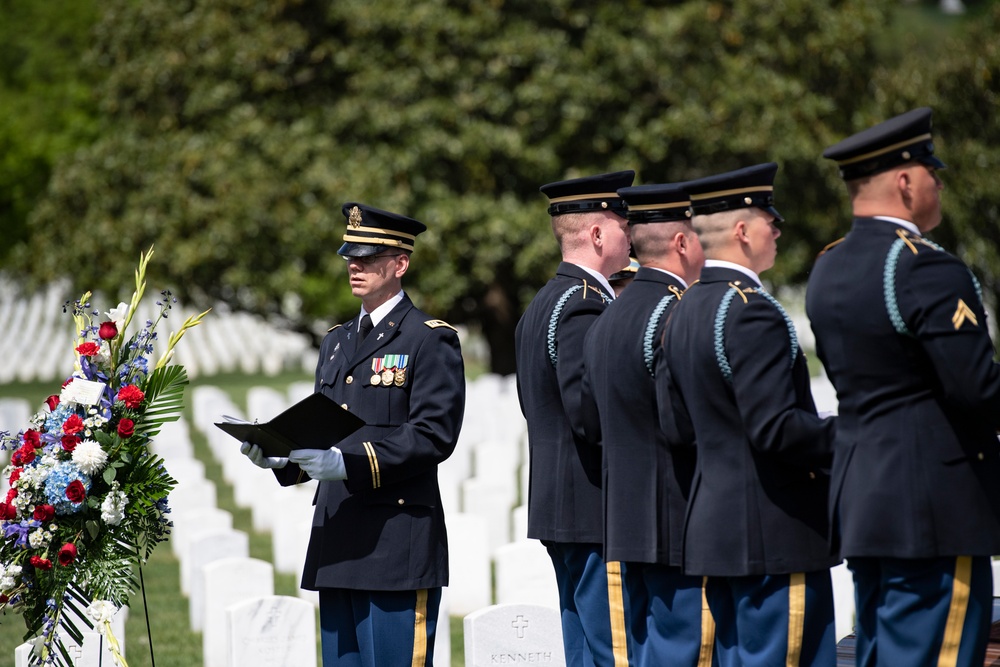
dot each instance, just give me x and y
(735, 382)
(564, 497)
(901, 330)
(645, 483)
(378, 554)
(621, 279)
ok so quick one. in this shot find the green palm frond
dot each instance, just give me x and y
(164, 398)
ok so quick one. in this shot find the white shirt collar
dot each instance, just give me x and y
(899, 221)
(722, 264)
(672, 275)
(381, 311)
(601, 279)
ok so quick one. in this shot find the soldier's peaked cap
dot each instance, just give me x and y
(905, 138)
(666, 202)
(590, 193)
(371, 231)
(743, 188)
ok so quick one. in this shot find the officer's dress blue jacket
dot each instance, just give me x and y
(383, 528)
(917, 467)
(758, 502)
(564, 495)
(645, 482)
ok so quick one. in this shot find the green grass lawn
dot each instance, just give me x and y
(174, 644)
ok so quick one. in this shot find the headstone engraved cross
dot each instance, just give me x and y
(509, 634)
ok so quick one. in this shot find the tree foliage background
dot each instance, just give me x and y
(229, 132)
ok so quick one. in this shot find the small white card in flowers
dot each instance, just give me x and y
(83, 392)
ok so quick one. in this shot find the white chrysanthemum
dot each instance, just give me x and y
(89, 456)
(118, 315)
(39, 538)
(113, 507)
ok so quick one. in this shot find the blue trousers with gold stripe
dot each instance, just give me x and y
(671, 623)
(378, 628)
(927, 611)
(592, 600)
(777, 619)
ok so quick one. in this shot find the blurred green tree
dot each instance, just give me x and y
(234, 129)
(960, 80)
(47, 107)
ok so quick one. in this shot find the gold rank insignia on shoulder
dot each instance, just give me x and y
(354, 217)
(333, 327)
(830, 246)
(434, 324)
(962, 315)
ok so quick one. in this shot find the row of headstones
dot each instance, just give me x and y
(46, 335)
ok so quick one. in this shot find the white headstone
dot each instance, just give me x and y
(843, 600)
(202, 549)
(492, 500)
(277, 631)
(469, 559)
(227, 582)
(513, 634)
(290, 535)
(196, 495)
(524, 574)
(519, 521)
(187, 522)
(442, 635)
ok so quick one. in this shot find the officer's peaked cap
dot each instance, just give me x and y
(905, 138)
(665, 202)
(749, 187)
(590, 193)
(371, 230)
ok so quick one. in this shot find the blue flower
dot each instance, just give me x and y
(62, 475)
(21, 530)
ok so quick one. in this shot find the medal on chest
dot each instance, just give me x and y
(389, 370)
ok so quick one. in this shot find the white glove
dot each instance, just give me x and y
(256, 456)
(320, 464)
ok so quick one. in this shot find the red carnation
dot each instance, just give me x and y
(44, 512)
(73, 425)
(69, 442)
(131, 396)
(7, 512)
(76, 492)
(14, 476)
(4, 599)
(11, 494)
(108, 330)
(41, 563)
(88, 349)
(52, 401)
(126, 427)
(32, 438)
(67, 554)
(68, 380)
(23, 456)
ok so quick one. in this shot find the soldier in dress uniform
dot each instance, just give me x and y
(645, 482)
(901, 330)
(733, 379)
(564, 496)
(378, 554)
(621, 279)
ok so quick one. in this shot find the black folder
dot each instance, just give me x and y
(315, 422)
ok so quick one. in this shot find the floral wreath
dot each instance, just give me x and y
(88, 500)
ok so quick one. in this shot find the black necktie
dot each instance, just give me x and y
(366, 327)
